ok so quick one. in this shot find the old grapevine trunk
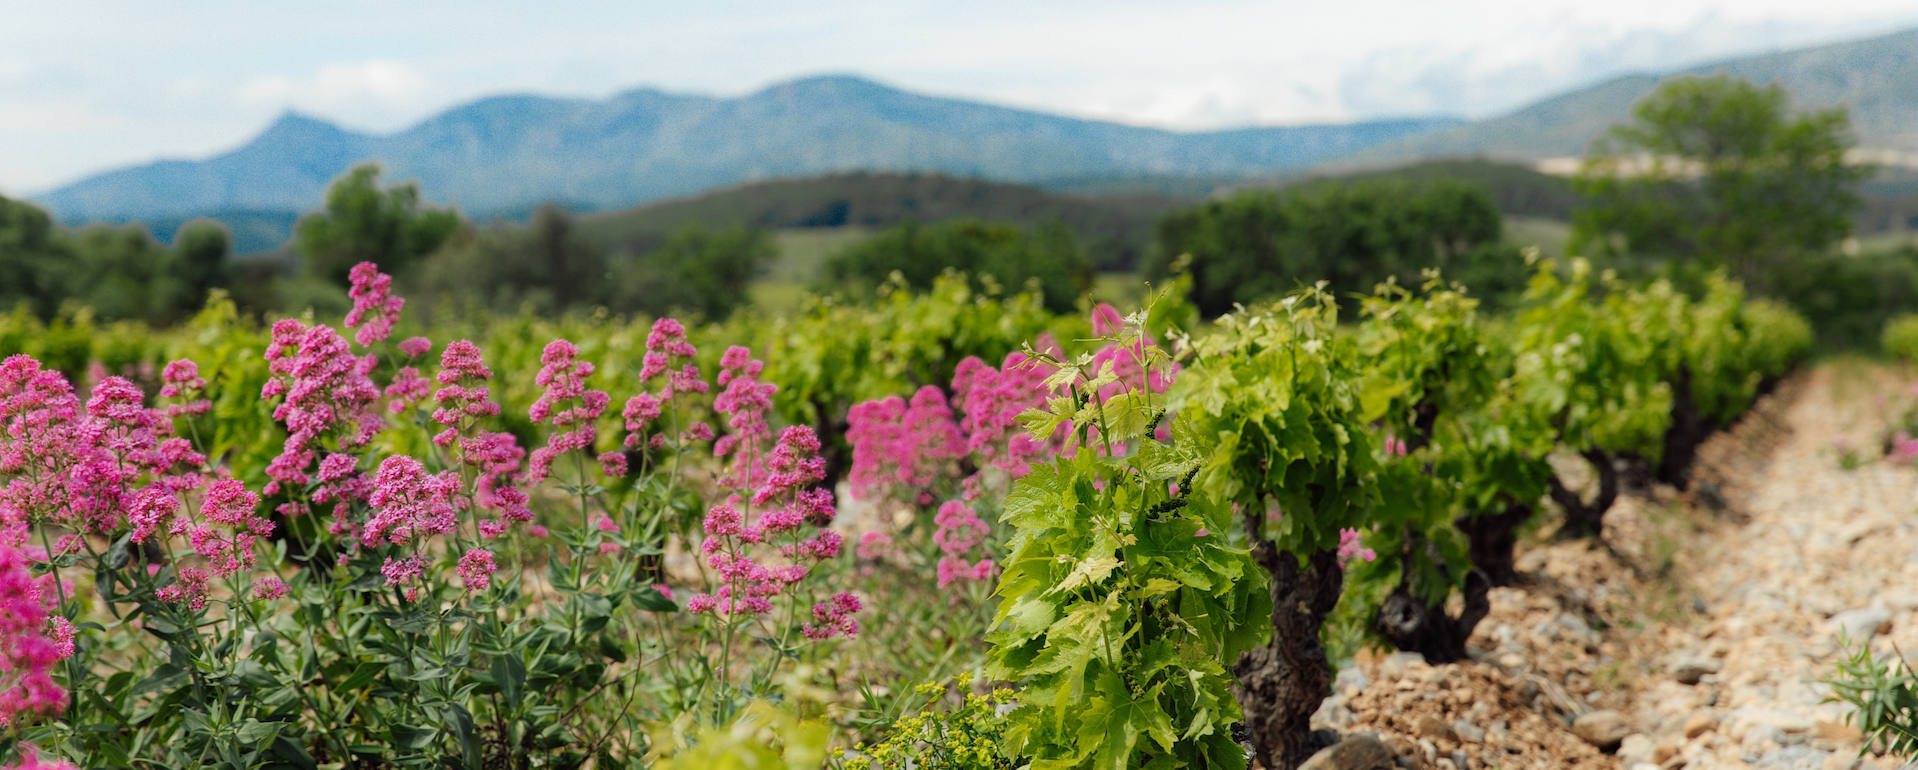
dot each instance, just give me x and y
(1687, 433)
(1584, 519)
(1281, 684)
(1491, 539)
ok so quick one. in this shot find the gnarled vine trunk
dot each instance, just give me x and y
(1281, 684)
(1411, 624)
(1491, 539)
(1687, 433)
(1584, 519)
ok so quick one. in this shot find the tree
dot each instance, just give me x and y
(202, 251)
(121, 273)
(364, 223)
(697, 270)
(30, 258)
(1717, 171)
(1049, 254)
(1261, 244)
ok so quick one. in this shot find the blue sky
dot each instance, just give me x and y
(94, 84)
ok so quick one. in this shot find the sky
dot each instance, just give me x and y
(90, 85)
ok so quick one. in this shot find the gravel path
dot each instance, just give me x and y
(1700, 637)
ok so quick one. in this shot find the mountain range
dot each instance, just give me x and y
(503, 156)
(1875, 78)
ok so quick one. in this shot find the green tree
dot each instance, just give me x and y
(363, 222)
(697, 270)
(1049, 254)
(122, 273)
(1718, 171)
(545, 266)
(202, 252)
(30, 258)
(1262, 244)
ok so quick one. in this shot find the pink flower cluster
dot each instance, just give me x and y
(1351, 550)
(1395, 447)
(744, 401)
(409, 507)
(226, 534)
(325, 394)
(374, 306)
(960, 532)
(791, 523)
(913, 450)
(834, 617)
(1904, 448)
(566, 403)
(30, 760)
(463, 399)
(182, 384)
(27, 654)
(669, 355)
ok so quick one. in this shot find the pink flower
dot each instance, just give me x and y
(414, 347)
(410, 505)
(229, 528)
(182, 383)
(326, 398)
(476, 569)
(834, 618)
(269, 588)
(373, 304)
(613, 464)
(566, 403)
(30, 760)
(873, 545)
(1350, 549)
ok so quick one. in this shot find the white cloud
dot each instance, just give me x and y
(382, 93)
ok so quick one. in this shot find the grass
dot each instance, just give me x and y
(1549, 235)
(799, 260)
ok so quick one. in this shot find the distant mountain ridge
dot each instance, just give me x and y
(1876, 78)
(509, 153)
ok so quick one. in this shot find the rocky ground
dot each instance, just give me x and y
(1699, 633)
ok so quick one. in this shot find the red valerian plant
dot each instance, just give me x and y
(415, 625)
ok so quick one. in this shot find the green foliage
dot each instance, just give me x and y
(363, 222)
(1278, 394)
(1592, 369)
(1256, 245)
(1121, 600)
(1884, 694)
(698, 270)
(1852, 295)
(1901, 337)
(969, 736)
(1425, 356)
(1115, 226)
(1047, 256)
(30, 259)
(763, 737)
(1717, 169)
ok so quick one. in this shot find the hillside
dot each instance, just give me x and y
(1114, 227)
(507, 154)
(1519, 190)
(1873, 77)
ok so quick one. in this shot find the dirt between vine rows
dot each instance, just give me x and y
(1698, 633)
